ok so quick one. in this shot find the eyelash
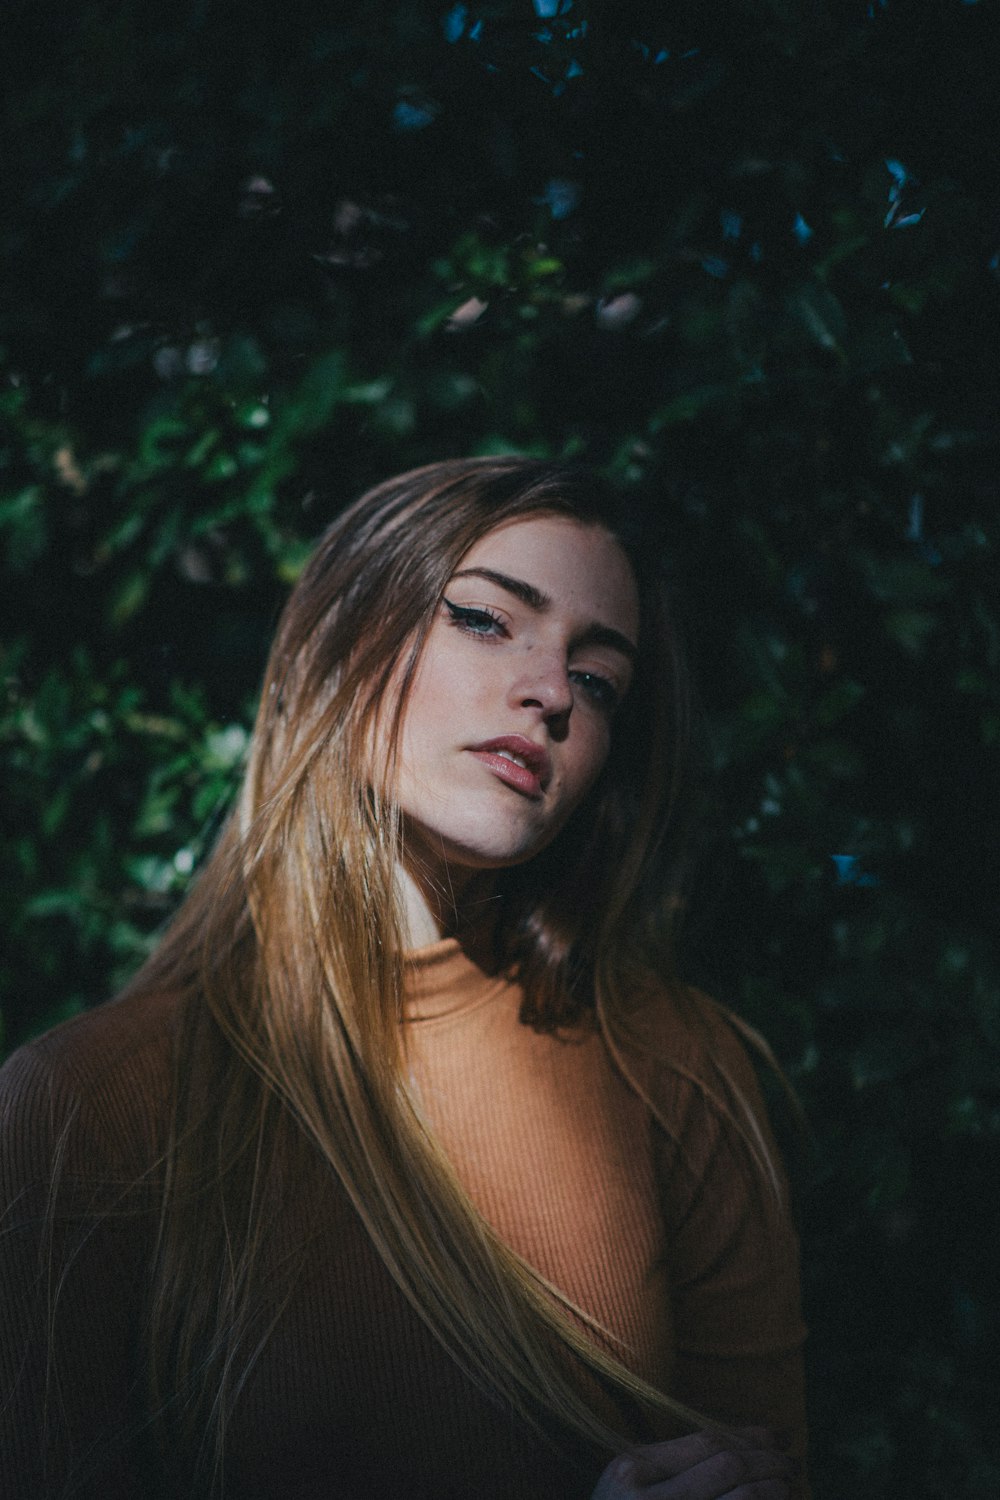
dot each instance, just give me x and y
(468, 619)
(600, 690)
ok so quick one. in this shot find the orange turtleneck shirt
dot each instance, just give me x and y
(661, 1235)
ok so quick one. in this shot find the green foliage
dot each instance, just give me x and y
(110, 807)
(740, 255)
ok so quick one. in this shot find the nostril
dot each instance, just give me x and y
(548, 689)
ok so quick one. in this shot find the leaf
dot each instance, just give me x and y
(821, 314)
(911, 629)
(839, 701)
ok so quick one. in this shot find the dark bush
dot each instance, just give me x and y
(743, 256)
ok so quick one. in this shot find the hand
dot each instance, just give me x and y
(704, 1466)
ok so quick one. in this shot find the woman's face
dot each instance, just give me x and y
(508, 721)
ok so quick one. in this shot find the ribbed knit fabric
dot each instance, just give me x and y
(661, 1235)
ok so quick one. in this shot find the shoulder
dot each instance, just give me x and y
(682, 1032)
(96, 1087)
(693, 1060)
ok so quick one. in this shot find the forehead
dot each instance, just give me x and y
(579, 566)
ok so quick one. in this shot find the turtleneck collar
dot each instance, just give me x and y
(441, 980)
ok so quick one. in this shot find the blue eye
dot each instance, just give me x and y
(601, 692)
(474, 621)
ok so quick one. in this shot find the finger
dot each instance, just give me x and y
(666, 1460)
(736, 1474)
(766, 1489)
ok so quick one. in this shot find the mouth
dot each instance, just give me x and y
(517, 761)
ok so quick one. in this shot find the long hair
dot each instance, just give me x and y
(288, 956)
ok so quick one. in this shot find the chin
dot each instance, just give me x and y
(489, 856)
(480, 849)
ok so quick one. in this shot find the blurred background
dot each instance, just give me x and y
(743, 255)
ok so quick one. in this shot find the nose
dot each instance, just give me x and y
(544, 684)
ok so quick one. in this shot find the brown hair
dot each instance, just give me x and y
(289, 955)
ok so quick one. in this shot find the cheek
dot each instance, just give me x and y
(427, 717)
(589, 761)
(443, 709)
(446, 678)
(385, 733)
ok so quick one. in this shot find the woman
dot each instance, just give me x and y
(404, 1167)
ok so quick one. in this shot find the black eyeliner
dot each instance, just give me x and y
(469, 611)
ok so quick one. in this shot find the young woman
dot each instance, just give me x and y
(405, 1167)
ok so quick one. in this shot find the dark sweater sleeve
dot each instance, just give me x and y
(69, 1292)
(733, 1251)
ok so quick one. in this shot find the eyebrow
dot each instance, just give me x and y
(594, 635)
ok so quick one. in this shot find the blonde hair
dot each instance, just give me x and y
(288, 956)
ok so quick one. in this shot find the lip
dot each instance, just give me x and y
(531, 778)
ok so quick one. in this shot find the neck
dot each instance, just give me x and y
(424, 919)
(456, 904)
